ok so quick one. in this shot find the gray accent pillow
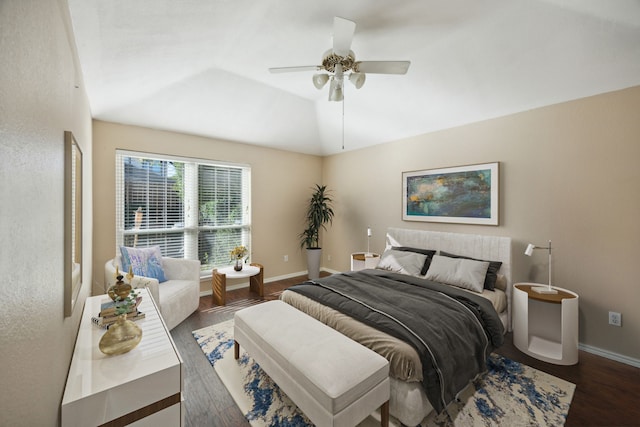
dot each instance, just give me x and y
(461, 272)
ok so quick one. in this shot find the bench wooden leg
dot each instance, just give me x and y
(236, 349)
(384, 414)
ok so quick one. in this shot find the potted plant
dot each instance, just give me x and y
(319, 213)
(237, 254)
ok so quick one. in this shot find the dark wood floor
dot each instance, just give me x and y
(607, 392)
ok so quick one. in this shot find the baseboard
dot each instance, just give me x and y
(610, 355)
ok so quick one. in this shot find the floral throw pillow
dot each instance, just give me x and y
(146, 262)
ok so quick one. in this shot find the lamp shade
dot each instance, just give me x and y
(319, 80)
(529, 250)
(335, 91)
(357, 79)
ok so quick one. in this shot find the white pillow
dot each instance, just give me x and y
(403, 262)
(460, 272)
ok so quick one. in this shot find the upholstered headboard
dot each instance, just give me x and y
(489, 248)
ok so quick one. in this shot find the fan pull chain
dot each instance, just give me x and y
(343, 123)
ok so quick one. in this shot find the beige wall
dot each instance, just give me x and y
(568, 173)
(38, 102)
(281, 183)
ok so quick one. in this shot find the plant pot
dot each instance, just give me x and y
(314, 256)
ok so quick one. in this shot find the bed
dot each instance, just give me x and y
(425, 308)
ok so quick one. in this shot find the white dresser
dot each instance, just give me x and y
(142, 387)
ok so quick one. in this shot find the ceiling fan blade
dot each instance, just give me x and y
(294, 69)
(343, 30)
(383, 67)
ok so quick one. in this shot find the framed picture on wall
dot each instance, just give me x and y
(461, 194)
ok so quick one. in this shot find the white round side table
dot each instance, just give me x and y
(254, 271)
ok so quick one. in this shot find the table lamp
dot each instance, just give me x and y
(542, 289)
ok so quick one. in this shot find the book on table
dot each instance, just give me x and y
(109, 308)
(105, 322)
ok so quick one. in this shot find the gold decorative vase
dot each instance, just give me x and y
(119, 291)
(121, 337)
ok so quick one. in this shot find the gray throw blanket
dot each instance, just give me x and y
(452, 330)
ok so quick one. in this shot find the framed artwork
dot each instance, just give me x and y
(72, 222)
(462, 194)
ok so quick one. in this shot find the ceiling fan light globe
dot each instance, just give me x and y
(319, 80)
(336, 95)
(357, 79)
(335, 91)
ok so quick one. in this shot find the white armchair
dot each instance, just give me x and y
(177, 298)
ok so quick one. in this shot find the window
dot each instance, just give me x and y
(191, 208)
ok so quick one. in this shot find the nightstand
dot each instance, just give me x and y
(362, 260)
(545, 326)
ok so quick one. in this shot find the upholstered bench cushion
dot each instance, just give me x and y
(335, 370)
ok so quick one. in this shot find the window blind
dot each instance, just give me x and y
(191, 208)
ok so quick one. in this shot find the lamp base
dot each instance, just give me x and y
(544, 290)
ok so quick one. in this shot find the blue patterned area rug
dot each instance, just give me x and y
(511, 394)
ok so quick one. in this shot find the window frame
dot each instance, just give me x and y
(191, 228)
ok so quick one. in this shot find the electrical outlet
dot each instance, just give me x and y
(328, 257)
(286, 258)
(615, 319)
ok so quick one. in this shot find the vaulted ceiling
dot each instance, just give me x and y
(201, 66)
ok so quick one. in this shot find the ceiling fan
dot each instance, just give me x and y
(340, 62)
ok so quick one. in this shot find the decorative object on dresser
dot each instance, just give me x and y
(120, 290)
(463, 194)
(545, 326)
(219, 276)
(121, 337)
(542, 289)
(110, 311)
(319, 213)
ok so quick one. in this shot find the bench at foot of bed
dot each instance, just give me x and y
(334, 380)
